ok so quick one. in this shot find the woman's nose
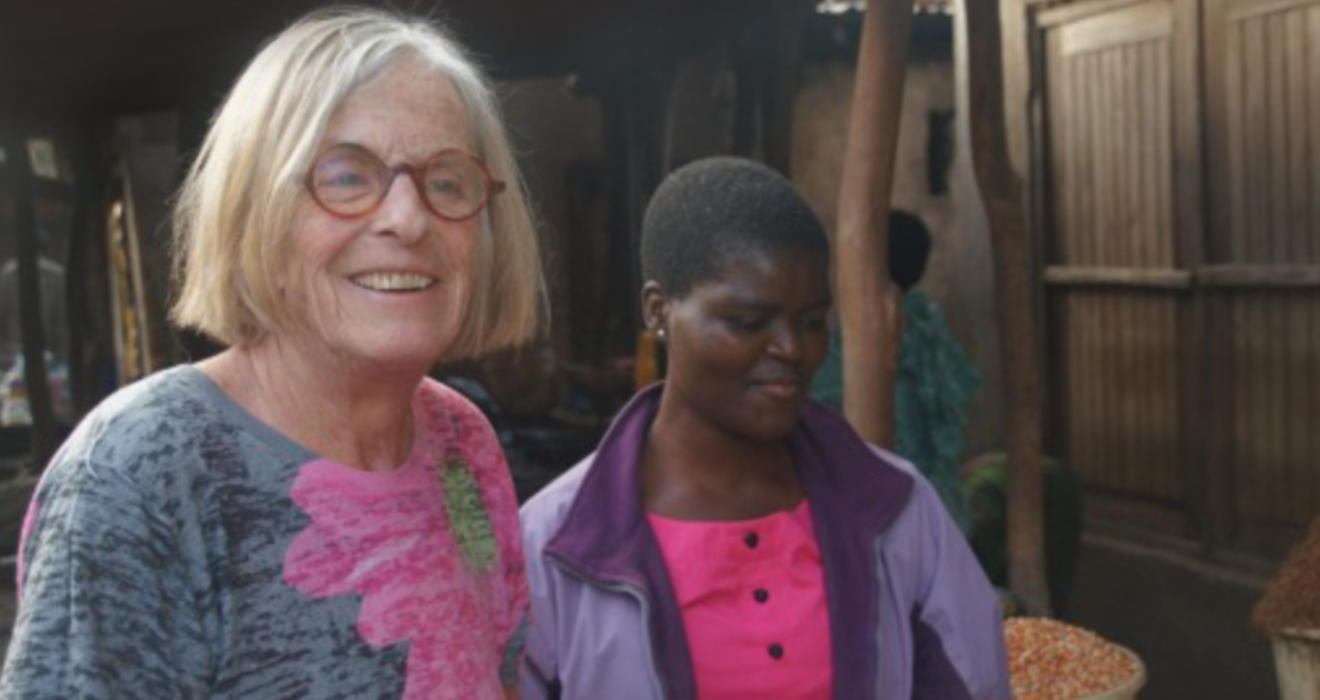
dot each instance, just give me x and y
(786, 341)
(403, 212)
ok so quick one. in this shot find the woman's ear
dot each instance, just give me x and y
(655, 307)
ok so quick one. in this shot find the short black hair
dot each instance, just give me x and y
(909, 247)
(713, 209)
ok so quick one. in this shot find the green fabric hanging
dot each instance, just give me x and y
(934, 381)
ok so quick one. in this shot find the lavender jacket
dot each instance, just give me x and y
(911, 613)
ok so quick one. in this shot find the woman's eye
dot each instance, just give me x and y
(348, 179)
(341, 177)
(448, 187)
(747, 324)
(816, 324)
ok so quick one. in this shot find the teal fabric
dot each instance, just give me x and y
(934, 381)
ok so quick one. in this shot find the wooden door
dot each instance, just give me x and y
(1262, 78)
(1116, 280)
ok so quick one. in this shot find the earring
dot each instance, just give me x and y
(660, 335)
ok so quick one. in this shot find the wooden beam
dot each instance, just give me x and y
(1068, 13)
(1200, 389)
(1150, 277)
(868, 302)
(42, 443)
(1002, 192)
(1259, 276)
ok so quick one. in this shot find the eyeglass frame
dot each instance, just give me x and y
(416, 173)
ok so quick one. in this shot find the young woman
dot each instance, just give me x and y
(729, 538)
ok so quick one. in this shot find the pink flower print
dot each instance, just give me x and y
(385, 536)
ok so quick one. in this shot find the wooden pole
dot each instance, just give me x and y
(867, 300)
(1002, 191)
(42, 443)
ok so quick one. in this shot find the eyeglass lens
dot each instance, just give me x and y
(350, 180)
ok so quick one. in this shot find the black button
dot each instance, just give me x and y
(752, 539)
(761, 595)
(776, 651)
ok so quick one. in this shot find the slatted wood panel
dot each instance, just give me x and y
(1120, 366)
(1110, 139)
(1276, 351)
(1116, 381)
(1263, 76)
(1271, 132)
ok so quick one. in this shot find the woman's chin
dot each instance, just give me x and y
(391, 355)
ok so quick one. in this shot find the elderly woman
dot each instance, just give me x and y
(306, 514)
(729, 538)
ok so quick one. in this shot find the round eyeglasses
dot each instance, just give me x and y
(350, 181)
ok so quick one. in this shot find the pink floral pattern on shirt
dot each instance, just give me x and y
(387, 538)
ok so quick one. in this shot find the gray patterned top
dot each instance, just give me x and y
(179, 548)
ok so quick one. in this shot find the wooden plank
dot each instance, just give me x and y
(1115, 232)
(1258, 276)
(1077, 131)
(1246, 481)
(1097, 276)
(1190, 405)
(1086, 401)
(1176, 332)
(1100, 379)
(1095, 164)
(1119, 142)
(1140, 419)
(1274, 398)
(1277, 88)
(1171, 320)
(1261, 8)
(1114, 462)
(1089, 402)
(1088, 183)
(1061, 125)
(1297, 421)
(1254, 129)
(1152, 155)
(1313, 116)
(1126, 26)
(1297, 164)
(1312, 63)
(1170, 145)
(1069, 13)
(1130, 171)
(1230, 190)
(1312, 383)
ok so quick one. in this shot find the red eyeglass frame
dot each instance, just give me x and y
(416, 173)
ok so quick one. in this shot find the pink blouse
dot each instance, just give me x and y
(752, 597)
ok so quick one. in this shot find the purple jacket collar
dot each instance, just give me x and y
(854, 495)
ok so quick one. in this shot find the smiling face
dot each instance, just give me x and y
(388, 287)
(744, 344)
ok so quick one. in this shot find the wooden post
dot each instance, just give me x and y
(1002, 191)
(42, 443)
(867, 300)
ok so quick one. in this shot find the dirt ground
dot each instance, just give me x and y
(1187, 622)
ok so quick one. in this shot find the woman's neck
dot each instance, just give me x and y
(360, 417)
(693, 470)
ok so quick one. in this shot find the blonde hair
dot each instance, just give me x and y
(238, 200)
